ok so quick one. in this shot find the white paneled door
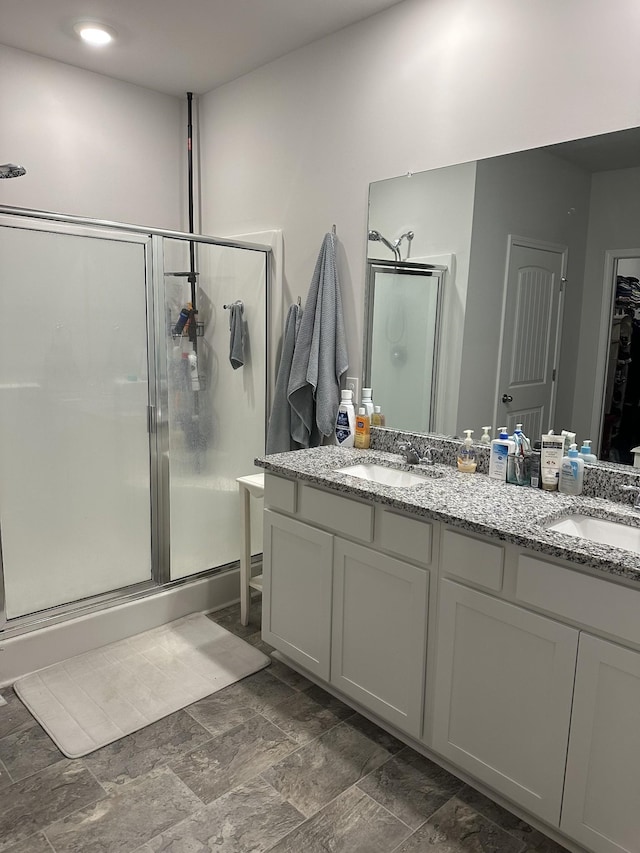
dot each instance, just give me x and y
(530, 335)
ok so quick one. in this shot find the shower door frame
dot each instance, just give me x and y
(157, 408)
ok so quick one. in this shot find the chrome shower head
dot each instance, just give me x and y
(376, 237)
(10, 170)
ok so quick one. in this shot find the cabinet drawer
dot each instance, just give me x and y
(473, 560)
(602, 604)
(408, 537)
(339, 514)
(280, 493)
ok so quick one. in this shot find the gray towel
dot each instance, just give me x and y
(236, 341)
(320, 355)
(279, 438)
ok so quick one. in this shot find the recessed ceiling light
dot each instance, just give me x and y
(93, 33)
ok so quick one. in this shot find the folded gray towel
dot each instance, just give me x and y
(320, 355)
(279, 437)
(236, 342)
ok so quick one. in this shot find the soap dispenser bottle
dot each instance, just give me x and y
(571, 472)
(485, 438)
(467, 459)
(346, 420)
(586, 452)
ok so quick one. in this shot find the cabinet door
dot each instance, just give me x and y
(296, 591)
(602, 789)
(379, 633)
(504, 681)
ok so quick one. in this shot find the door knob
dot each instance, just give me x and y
(507, 398)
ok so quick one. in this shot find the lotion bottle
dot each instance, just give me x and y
(467, 459)
(551, 460)
(367, 401)
(571, 472)
(500, 449)
(363, 433)
(346, 420)
(586, 452)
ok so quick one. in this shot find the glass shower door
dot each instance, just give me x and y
(215, 414)
(75, 477)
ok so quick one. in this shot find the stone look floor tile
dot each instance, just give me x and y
(233, 758)
(457, 828)
(350, 823)
(411, 787)
(5, 779)
(251, 817)
(220, 712)
(301, 719)
(35, 844)
(327, 700)
(144, 750)
(125, 820)
(259, 691)
(229, 618)
(13, 716)
(28, 750)
(375, 733)
(280, 670)
(31, 804)
(532, 838)
(324, 768)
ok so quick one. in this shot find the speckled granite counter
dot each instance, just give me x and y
(472, 502)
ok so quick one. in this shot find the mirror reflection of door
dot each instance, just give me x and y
(621, 418)
(531, 324)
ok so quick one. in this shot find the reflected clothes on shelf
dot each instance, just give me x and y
(621, 427)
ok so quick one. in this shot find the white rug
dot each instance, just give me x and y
(93, 699)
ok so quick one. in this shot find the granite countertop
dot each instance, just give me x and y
(472, 502)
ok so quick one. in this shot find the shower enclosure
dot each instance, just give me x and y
(118, 459)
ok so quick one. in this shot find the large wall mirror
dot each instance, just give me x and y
(539, 318)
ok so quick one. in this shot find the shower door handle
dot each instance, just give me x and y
(151, 419)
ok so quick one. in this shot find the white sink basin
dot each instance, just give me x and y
(598, 530)
(385, 476)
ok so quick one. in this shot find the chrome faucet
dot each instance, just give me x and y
(410, 453)
(412, 456)
(636, 490)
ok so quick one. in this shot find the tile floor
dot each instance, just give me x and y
(272, 763)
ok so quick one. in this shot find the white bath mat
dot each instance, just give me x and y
(93, 699)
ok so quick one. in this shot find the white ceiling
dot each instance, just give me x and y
(175, 46)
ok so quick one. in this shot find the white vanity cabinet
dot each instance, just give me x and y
(527, 681)
(296, 584)
(504, 681)
(602, 791)
(353, 614)
(379, 633)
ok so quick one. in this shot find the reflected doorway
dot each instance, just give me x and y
(621, 409)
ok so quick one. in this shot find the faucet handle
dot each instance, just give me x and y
(634, 489)
(427, 459)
